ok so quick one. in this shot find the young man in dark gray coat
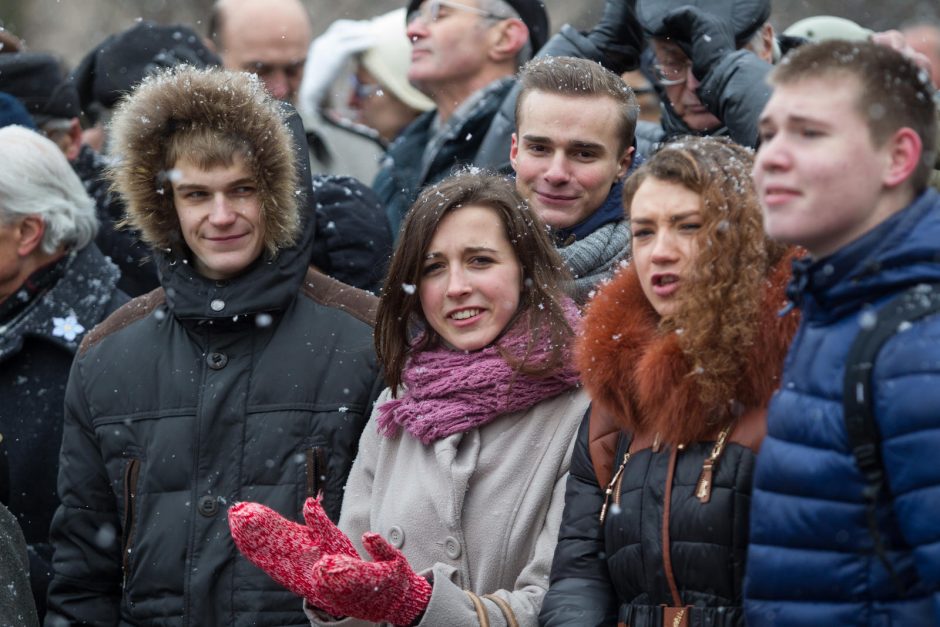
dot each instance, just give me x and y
(245, 377)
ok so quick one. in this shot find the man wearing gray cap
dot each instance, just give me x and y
(464, 56)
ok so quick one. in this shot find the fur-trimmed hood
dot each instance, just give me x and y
(642, 377)
(229, 103)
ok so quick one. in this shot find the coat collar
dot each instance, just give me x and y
(899, 252)
(68, 309)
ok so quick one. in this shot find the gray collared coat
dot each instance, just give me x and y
(477, 511)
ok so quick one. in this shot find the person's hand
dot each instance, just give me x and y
(705, 38)
(285, 550)
(384, 590)
(896, 40)
(326, 57)
(619, 36)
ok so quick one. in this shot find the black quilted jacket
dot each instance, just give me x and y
(613, 572)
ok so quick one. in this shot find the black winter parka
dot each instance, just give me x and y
(189, 399)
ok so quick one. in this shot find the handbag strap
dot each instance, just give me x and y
(482, 617)
(505, 609)
(667, 507)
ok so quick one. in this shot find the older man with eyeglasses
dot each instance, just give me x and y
(710, 58)
(464, 56)
(270, 38)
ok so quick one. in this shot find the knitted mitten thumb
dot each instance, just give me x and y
(281, 548)
(324, 533)
(385, 589)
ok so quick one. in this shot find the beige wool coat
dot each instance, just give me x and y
(477, 511)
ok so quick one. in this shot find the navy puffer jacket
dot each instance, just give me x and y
(810, 560)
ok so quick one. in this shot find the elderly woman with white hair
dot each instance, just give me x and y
(55, 285)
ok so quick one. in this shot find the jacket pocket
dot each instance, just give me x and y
(316, 470)
(129, 518)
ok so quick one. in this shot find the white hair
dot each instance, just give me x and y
(36, 179)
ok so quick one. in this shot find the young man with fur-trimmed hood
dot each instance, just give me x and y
(244, 377)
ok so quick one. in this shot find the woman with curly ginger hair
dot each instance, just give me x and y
(681, 353)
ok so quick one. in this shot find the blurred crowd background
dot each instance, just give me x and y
(71, 28)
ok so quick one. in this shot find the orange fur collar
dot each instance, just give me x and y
(641, 375)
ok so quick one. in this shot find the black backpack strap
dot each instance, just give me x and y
(864, 438)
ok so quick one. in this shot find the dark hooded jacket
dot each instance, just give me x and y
(203, 393)
(38, 340)
(621, 568)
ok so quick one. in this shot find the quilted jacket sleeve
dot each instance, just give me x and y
(735, 90)
(580, 592)
(86, 530)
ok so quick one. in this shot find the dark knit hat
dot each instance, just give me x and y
(745, 16)
(533, 15)
(121, 61)
(36, 80)
(12, 112)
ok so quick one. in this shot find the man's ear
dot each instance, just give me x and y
(29, 234)
(905, 150)
(767, 35)
(513, 150)
(506, 39)
(626, 160)
(73, 143)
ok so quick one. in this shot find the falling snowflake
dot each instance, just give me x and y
(67, 328)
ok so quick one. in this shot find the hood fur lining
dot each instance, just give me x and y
(233, 103)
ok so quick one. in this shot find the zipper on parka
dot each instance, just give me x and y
(131, 474)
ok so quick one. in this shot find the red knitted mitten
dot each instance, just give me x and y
(285, 550)
(385, 589)
(324, 533)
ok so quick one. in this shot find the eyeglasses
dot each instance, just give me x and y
(431, 11)
(671, 72)
(363, 91)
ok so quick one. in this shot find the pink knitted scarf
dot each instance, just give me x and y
(448, 391)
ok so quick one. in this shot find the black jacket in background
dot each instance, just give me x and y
(123, 246)
(37, 346)
(353, 243)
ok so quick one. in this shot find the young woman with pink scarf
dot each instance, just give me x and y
(452, 509)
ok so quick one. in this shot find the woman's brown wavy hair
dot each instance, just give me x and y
(718, 313)
(400, 326)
